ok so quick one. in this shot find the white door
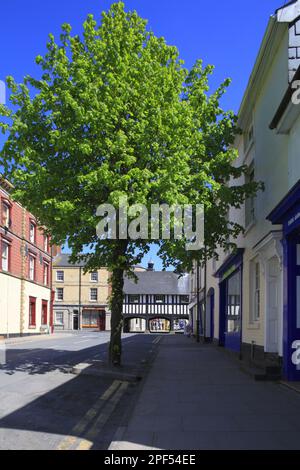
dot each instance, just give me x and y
(273, 303)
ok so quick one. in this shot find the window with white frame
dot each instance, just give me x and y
(94, 276)
(250, 201)
(46, 243)
(59, 318)
(248, 138)
(60, 276)
(32, 230)
(31, 267)
(5, 250)
(46, 273)
(5, 214)
(255, 288)
(257, 291)
(59, 294)
(93, 294)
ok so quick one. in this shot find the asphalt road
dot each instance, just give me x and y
(44, 406)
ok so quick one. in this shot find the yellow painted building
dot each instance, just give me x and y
(81, 299)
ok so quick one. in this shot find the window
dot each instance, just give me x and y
(250, 201)
(44, 318)
(32, 311)
(184, 299)
(6, 214)
(5, 251)
(59, 318)
(94, 276)
(248, 138)
(32, 230)
(60, 276)
(46, 274)
(59, 294)
(93, 294)
(159, 299)
(133, 299)
(46, 243)
(233, 301)
(31, 267)
(255, 291)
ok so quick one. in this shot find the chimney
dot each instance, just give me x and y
(150, 265)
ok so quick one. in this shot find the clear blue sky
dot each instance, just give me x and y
(225, 34)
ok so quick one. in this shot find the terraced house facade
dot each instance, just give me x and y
(81, 299)
(252, 296)
(25, 270)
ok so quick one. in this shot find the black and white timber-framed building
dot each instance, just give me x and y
(158, 302)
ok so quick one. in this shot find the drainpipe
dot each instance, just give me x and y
(205, 297)
(79, 306)
(198, 303)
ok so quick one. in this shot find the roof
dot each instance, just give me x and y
(275, 30)
(62, 261)
(157, 282)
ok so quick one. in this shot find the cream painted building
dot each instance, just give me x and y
(256, 305)
(25, 270)
(81, 299)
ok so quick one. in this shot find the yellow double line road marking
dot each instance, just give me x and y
(69, 441)
(87, 443)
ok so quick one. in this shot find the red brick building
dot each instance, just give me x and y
(25, 270)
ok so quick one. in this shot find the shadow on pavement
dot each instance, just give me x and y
(43, 422)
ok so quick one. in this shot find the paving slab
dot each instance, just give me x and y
(196, 397)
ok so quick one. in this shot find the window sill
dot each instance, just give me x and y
(32, 327)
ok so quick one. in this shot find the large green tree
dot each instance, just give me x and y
(115, 113)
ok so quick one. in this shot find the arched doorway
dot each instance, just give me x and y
(159, 325)
(134, 325)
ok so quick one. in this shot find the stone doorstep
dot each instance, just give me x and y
(99, 368)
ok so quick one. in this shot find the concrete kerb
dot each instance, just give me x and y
(128, 372)
(122, 429)
(32, 338)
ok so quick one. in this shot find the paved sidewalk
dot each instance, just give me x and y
(196, 397)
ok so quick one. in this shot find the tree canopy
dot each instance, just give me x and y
(115, 112)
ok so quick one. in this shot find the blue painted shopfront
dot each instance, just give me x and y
(287, 213)
(230, 327)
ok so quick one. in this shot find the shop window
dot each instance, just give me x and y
(59, 318)
(233, 303)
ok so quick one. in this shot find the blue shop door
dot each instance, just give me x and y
(233, 313)
(292, 313)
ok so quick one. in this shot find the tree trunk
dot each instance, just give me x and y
(117, 283)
